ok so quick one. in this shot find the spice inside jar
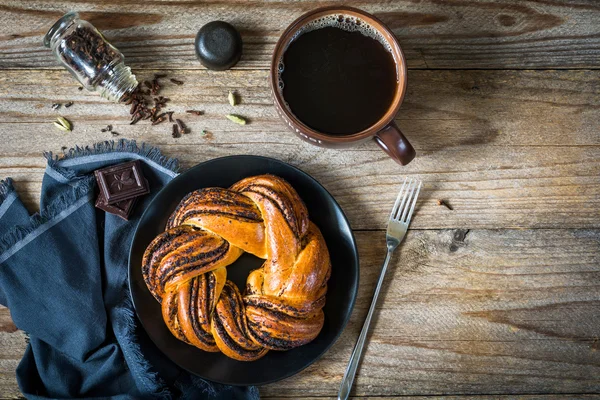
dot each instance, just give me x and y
(90, 58)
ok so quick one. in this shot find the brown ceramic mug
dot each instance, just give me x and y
(385, 132)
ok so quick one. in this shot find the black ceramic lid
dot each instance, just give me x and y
(218, 45)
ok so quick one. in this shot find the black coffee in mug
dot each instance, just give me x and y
(338, 77)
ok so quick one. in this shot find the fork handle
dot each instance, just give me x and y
(348, 379)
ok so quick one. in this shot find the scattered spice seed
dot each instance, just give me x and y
(232, 98)
(161, 101)
(158, 120)
(195, 112)
(80, 88)
(59, 126)
(56, 106)
(69, 104)
(176, 81)
(107, 129)
(155, 88)
(182, 127)
(175, 133)
(62, 124)
(140, 100)
(114, 133)
(445, 204)
(236, 118)
(63, 148)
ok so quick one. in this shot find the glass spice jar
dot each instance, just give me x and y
(90, 58)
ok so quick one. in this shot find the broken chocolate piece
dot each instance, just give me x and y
(123, 208)
(122, 181)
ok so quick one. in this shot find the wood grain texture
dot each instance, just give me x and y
(468, 397)
(462, 312)
(471, 309)
(433, 33)
(473, 312)
(476, 397)
(504, 148)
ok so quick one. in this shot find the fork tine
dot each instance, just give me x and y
(414, 202)
(406, 204)
(395, 208)
(406, 196)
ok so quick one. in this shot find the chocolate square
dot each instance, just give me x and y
(122, 209)
(122, 181)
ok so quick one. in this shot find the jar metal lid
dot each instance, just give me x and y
(60, 25)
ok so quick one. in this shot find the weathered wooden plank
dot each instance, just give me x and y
(486, 312)
(505, 148)
(434, 34)
(468, 397)
(464, 312)
(441, 109)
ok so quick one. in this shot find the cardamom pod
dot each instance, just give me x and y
(232, 99)
(62, 124)
(59, 126)
(237, 119)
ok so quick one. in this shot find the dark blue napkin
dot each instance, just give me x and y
(63, 275)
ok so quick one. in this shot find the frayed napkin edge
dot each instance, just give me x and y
(130, 347)
(146, 151)
(82, 186)
(20, 232)
(6, 188)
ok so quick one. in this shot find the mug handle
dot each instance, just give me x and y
(393, 142)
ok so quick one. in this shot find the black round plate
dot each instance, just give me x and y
(342, 287)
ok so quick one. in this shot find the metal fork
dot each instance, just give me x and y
(396, 230)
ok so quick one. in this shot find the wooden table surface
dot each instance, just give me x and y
(500, 296)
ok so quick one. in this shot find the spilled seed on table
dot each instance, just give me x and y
(236, 118)
(231, 97)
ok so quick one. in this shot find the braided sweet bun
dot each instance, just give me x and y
(185, 269)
